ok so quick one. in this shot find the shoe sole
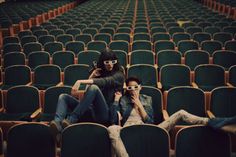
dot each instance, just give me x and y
(65, 124)
(54, 130)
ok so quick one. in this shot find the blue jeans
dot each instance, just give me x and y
(93, 97)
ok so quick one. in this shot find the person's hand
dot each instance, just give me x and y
(135, 99)
(96, 72)
(118, 95)
(75, 92)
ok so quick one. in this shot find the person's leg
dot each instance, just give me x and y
(93, 96)
(65, 102)
(116, 142)
(185, 116)
(218, 123)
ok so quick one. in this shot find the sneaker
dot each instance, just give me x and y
(65, 123)
(218, 123)
(55, 128)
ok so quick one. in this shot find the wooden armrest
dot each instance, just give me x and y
(194, 85)
(59, 84)
(210, 114)
(159, 85)
(36, 113)
(229, 84)
(29, 84)
(165, 114)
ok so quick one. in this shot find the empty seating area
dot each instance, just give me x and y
(183, 51)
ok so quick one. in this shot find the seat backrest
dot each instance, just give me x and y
(79, 139)
(232, 75)
(202, 141)
(224, 58)
(168, 57)
(142, 57)
(222, 102)
(143, 140)
(30, 139)
(38, 58)
(22, 99)
(157, 102)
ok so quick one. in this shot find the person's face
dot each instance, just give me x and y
(133, 87)
(109, 64)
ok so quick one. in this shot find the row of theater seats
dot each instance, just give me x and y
(204, 76)
(35, 139)
(192, 58)
(27, 103)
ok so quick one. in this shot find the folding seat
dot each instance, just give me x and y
(50, 101)
(65, 27)
(111, 25)
(224, 58)
(197, 20)
(194, 58)
(32, 46)
(82, 136)
(75, 46)
(221, 102)
(186, 45)
(221, 24)
(40, 33)
(230, 45)
(156, 24)
(122, 36)
(22, 141)
(10, 39)
(173, 30)
(141, 25)
(75, 72)
(88, 57)
(232, 75)
(230, 29)
(204, 24)
(164, 45)
(38, 58)
(208, 77)
(122, 57)
(185, 25)
(141, 57)
(211, 46)
(72, 23)
(222, 37)
(194, 29)
(73, 31)
(90, 31)
(171, 24)
(201, 36)
(141, 45)
(97, 26)
(123, 30)
(160, 36)
(80, 26)
(96, 45)
(119, 45)
(85, 38)
(24, 33)
(42, 73)
(212, 30)
(189, 99)
(56, 32)
(11, 47)
(141, 140)
(108, 30)
(103, 37)
(202, 141)
(52, 47)
(141, 36)
(158, 30)
(173, 75)
(51, 27)
(141, 71)
(46, 38)
(59, 23)
(180, 36)
(13, 58)
(63, 58)
(64, 38)
(165, 57)
(21, 102)
(127, 25)
(27, 39)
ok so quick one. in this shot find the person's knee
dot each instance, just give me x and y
(181, 112)
(93, 88)
(63, 96)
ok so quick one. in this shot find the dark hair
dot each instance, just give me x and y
(132, 78)
(108, 54)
